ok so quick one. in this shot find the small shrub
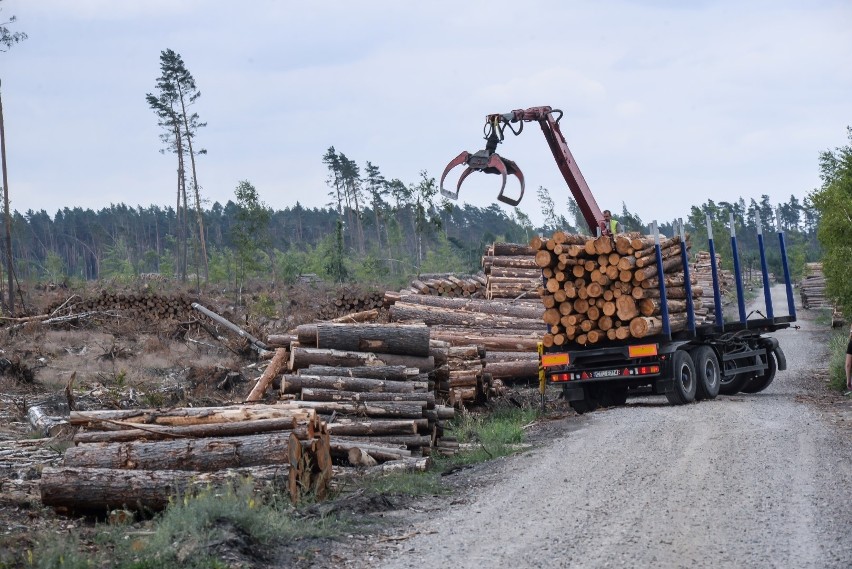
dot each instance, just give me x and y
(837, 360)
(264, 306)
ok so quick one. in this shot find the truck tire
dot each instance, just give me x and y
(761, 382)
(707, 372)
(732, 384)
(584, 405)
(590, 401)
(685, 380)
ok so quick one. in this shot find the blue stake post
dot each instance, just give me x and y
(714, 271)
(791, 305)
(767, 295)
(687, 282)
(664, 305)
(738, 277)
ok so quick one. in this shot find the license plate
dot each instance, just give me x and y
(606, 373)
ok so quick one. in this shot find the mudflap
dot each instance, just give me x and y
(771, 344)
(663, 386)
(780, 358)
(573, 393)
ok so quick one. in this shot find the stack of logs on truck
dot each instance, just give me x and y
(604, 288)
(623, 312)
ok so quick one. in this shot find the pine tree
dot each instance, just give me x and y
(177, 92)
(8, 39)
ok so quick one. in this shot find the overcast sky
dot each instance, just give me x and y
(667, 103)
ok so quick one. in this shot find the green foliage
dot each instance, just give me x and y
(54, 267)
(495, 433)
(292, 263)
(834, 203)
(335, 255)
(117, 263)
(443, 258)
(264, 306)
(221, 265)
(630, 221)
(837, 360)
(250, 232)
(370, 268)
(407, 484)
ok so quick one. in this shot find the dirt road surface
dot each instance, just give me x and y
(760, 480)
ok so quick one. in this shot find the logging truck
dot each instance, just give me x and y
(598, 347)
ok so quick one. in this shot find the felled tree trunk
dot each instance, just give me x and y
(204, 455)
(92, 490)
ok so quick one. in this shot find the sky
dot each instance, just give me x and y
(666, 103)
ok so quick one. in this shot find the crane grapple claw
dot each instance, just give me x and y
(488, 162)
(457, 161)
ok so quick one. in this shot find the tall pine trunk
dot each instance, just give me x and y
(10, 267)
(198, 213)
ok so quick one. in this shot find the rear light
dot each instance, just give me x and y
(557, 377)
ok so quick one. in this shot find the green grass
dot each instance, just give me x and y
(837, 360)
(185, 535)
(491, 435)
(824, 317)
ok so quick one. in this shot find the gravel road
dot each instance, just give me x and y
(760, 480)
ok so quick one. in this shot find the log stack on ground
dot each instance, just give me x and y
(448, 285)
(147, 305)
(607, 288)
(350, 299)
(511, 271)
(379, 378)
(141, 458)
(507, 328)
(812, 290)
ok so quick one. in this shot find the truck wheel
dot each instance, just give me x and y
(590, 401)
(761, 382)
(584, 406)
(685, 381)
(707, 371)
(733, 383)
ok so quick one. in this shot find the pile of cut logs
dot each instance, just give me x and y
(812, 290)
(448, 284)
(141, 458)
(146, 305)
(351, 299)
(379, 383)
(511, 271)
(508, 331)
(607, 288)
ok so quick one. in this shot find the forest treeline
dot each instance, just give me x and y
(387, 239)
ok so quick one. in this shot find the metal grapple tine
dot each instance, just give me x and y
(458, 160)
(514, 171)
(497, 164)
(464, 175)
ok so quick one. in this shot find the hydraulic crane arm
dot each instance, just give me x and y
(490, 162)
